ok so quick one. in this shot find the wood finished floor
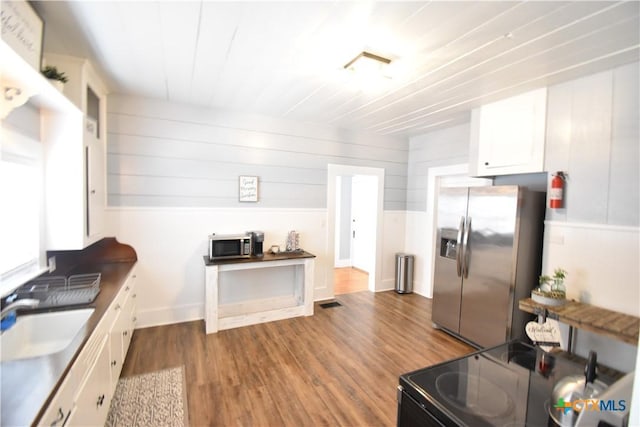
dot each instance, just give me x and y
(339, 367)
(348, 279)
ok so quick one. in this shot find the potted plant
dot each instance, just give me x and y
(545, 283)
(558, 280)
(57, 78)
(551, 289)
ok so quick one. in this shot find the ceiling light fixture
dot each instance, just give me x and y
(366, 62)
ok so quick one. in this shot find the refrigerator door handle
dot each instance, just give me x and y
(465, 248)
(459, 247)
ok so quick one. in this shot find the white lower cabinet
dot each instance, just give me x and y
(61, 407)
(94, 396)
(85, 395)
(122, 330)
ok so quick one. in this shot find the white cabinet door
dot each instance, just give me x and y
(127, 322)
(507, 136)
(61, 407)
(75, 164)
(94, 397)
(115, 351)
(95, 187)
(122, 329)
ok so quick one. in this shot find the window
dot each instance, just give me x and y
(22, 255)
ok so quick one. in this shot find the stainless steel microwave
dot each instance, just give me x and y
(227, 246)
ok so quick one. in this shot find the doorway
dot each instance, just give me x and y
(355, 232)
(354, 208)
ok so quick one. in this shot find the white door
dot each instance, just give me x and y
(363, 221)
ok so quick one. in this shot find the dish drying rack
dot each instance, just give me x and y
(60, 291)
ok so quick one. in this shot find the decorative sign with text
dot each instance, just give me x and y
(546, 335)
(22, 30)
(248, 190)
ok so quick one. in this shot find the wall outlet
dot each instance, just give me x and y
(52, 264)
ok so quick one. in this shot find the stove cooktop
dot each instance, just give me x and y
(506, 385)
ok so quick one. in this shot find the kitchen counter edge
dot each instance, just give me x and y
(25, 397)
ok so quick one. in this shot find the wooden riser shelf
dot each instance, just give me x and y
(619, 326)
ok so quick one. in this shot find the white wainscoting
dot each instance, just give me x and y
(416, 243)
(171, 242)
(601, 261)
(603, 270)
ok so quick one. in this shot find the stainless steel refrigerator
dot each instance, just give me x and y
(488, 256)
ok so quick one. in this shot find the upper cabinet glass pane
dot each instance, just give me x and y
(93, 108)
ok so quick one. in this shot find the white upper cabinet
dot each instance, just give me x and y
(507, 136)
(75, 169)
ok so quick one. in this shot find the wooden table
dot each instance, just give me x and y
(619, 326)
(246, 291)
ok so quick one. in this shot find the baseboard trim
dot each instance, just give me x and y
(169, 315)
(342, 263)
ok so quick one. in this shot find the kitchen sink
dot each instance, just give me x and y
(42, 334)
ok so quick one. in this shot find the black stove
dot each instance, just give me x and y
(506, 385)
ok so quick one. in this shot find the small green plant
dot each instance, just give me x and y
(559, 274)
(53, 74)
(544, 279)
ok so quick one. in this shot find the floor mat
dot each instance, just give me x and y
(154, 399)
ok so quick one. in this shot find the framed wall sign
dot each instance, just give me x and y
(22, 30)
(248, 189)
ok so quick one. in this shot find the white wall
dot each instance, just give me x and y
(173, 176)
(171, 243)
(593, 135)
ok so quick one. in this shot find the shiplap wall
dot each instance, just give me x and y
(593, 134)
(444, 147)
(172, 155)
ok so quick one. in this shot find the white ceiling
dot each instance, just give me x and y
(284, 59)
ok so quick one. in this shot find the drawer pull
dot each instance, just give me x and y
(100, 400)
(127, 288)
(125, 333)
(114, 363)
(60, 418)
(118, 307)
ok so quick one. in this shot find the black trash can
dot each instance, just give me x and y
(404, 273)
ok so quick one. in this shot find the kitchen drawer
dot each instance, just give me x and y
(62, 404)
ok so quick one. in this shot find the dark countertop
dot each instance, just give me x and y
(268, 256)
(27, 385)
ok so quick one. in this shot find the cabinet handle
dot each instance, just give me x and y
(135, 319)
(125, 333)
(93, 191)
(114, 363)
(135, 275)
(100, 400)
(118, 307)
(126, 288)
(135, 295)
(60, 418)
(486, 163)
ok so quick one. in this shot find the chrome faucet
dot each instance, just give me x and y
(21, 303)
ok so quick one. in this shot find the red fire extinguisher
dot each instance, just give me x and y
(556, 191)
